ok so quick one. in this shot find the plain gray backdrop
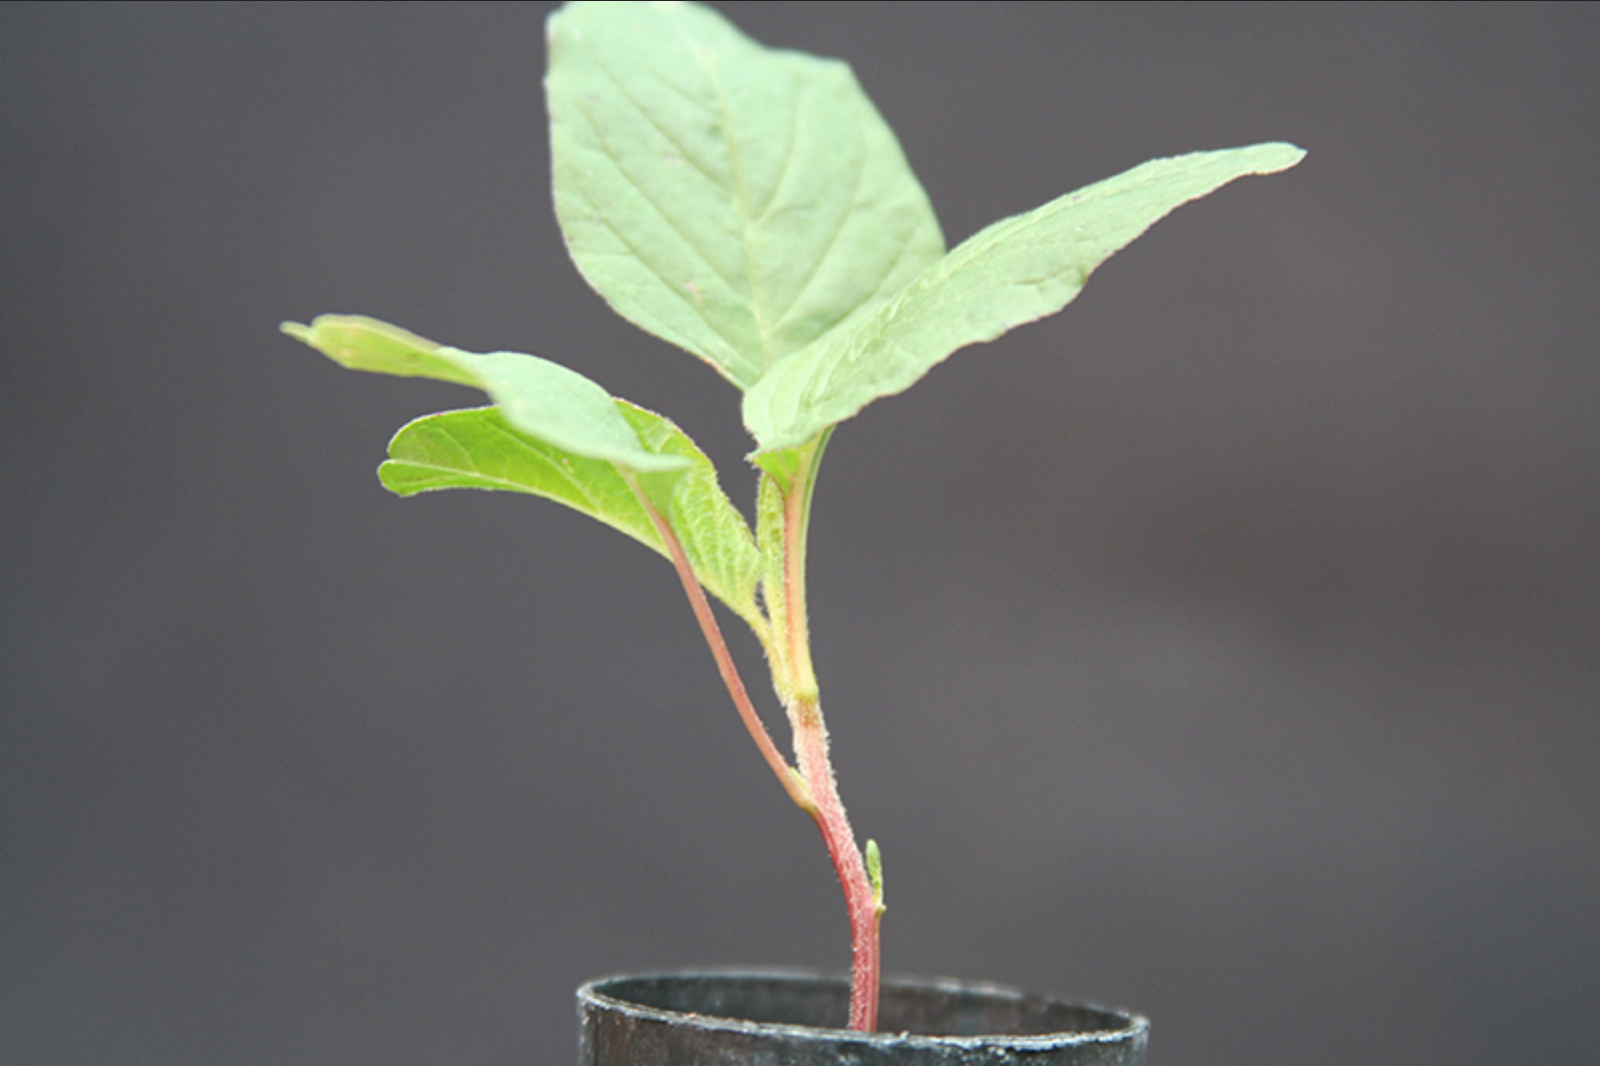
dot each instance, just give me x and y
(1226, 647)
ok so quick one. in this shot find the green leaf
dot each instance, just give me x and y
(479, 449)
(715, 536)
(736, 201)
(1015, 271)
(540, 398)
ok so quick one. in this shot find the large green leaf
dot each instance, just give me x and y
(479, 449)
(1015, 271)
(736, 201)
(540, 398)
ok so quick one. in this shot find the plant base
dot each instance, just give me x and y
(793, 1019)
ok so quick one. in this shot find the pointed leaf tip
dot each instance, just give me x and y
(540, 398)
(356, 342)
(1018, 270)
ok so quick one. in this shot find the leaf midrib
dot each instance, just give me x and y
(740, 195)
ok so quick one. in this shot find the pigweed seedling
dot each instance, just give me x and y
(751, 207)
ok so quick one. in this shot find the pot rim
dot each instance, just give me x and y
(1134, 1027)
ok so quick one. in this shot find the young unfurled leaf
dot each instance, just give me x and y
(1015, 271)
(736, 201)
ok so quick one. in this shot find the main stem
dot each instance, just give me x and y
(811, 750)
(813, 787)
(861, 902)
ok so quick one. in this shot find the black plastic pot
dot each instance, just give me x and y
(795, 1019)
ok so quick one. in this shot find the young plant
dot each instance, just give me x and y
(753, 208)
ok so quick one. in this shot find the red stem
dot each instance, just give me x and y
(811, 750)
(811, 747)
(814, 788)
(791, 782)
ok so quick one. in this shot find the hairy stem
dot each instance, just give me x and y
(813, 787)
(792, 782)
(811, 752)
(797, 625)
(811, 748)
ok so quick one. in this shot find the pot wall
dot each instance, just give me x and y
(795, 1019)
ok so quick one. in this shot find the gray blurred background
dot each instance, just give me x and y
(1226, 648)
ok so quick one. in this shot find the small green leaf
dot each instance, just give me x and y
(736, 201)
(1015, 271)
(540, 398)
(875, 872)
(479, 449)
